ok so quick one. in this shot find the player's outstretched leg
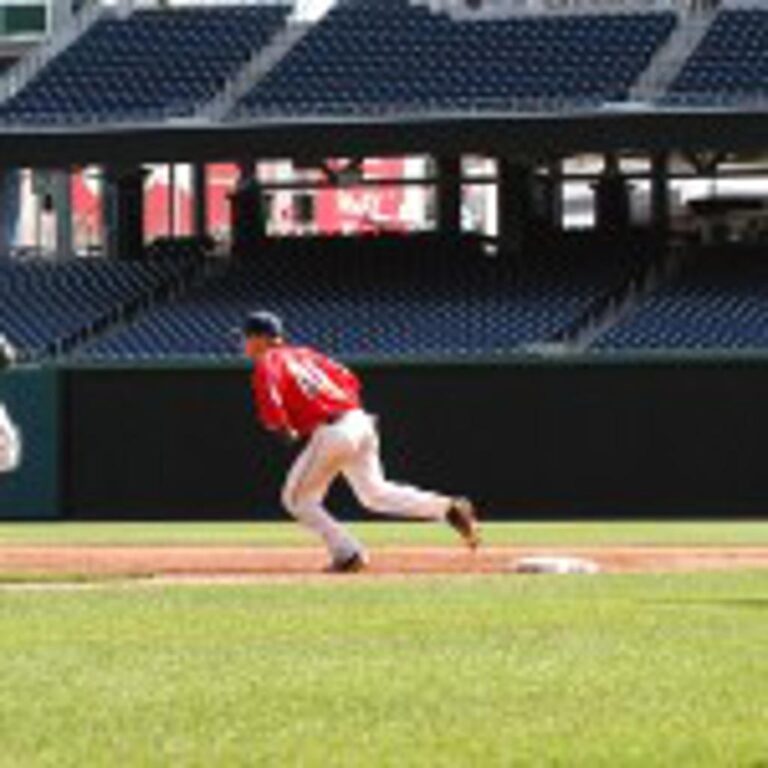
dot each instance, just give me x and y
(365, 473)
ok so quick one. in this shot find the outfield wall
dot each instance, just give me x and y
(33, 491)
(529, 438)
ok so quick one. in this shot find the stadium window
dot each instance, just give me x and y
(479, 209)
(578, 205)
(640, 202)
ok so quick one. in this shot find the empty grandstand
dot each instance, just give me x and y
(730, 64)
(436, 296)
(385, 55)
(380, 298)
(719, 301)
(46, 308)
(151, 63)
(369, 57)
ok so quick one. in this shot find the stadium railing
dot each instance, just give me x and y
(504, 9)
(75, 120)
(478, 107)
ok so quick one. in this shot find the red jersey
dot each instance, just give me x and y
(299, 389)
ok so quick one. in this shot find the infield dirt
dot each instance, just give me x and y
(255, 562)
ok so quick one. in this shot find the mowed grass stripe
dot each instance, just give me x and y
(515, 671)
(256, 534)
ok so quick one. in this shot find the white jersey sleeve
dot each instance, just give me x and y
(10, 442)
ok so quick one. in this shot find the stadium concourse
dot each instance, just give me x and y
(534, 188)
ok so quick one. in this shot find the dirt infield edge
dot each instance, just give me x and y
(213, 562)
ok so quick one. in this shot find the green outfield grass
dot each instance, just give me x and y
(384, 534)
(608, 670)
(497, 671)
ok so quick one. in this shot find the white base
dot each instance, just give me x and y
(554, 564)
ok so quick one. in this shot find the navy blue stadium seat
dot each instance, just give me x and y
(370, 56)
(719, 302)
(154, 62)
(43, 302)
(378, 298)
(731, 60)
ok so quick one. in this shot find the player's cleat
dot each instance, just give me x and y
(462, 517)
(358, 561)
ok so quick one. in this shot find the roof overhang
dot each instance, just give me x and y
(618, 129)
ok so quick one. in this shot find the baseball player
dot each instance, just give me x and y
(303, 395)
(10, 438)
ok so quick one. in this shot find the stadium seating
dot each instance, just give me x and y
(731, 59)
(381, 298)
(369, 56)
(43, 303)
(720, 301)
(153, 62)
(373, 55)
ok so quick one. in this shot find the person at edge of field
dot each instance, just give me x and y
(302, 395)
(7, 354)
(10, 438)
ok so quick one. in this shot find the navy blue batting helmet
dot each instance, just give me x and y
(263, 323)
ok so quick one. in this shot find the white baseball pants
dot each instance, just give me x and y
(10, 443)
(350, 447)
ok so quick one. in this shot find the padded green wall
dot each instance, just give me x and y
(32, 492)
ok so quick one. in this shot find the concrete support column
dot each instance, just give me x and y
(515, 204)
(172, 197)
(200, 199)
(551, 196)
(108, 213)
(124, 213)
(61, 191)
(249, 226)
(612, 212)
(61, 14)
(660, 195)
(449, 195)
(10, 209)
